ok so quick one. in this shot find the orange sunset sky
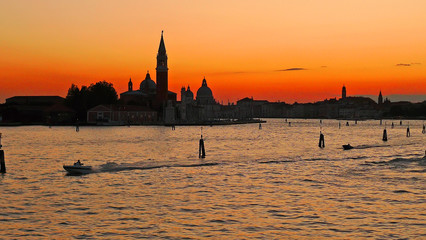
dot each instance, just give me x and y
(242, 47)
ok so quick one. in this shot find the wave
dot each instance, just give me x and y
(276, 161)
(114, 167)
(407, 160)
(420, 161)
(370, 146)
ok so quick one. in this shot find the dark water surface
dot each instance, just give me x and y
(273, 183)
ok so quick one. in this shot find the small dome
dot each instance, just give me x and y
(148, 85)
(189, 93)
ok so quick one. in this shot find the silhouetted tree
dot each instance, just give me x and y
(85, 98)
(102, 93)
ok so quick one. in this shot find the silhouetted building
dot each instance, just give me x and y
(35, 100)
(150, 94)
(37, 110)
(203, 108)
(249, 108)
(380, 99)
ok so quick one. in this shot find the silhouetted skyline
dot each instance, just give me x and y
(289, 51)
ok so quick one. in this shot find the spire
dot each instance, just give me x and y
(204, 82)
(147, 75)
(162, 48)
(380, 99)
(130, 85)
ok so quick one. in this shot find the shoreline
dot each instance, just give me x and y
(206, 123)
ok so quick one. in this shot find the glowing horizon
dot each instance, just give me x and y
(289, 51)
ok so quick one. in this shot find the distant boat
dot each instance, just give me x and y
(78, 168)
(347, 147)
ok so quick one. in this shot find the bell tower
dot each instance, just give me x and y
(380, 99)
(343, 92)
(162, 73)
(130, 85)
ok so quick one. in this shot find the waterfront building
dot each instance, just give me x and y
(116, 114)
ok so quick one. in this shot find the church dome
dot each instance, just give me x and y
(204, 93)
(148, 85)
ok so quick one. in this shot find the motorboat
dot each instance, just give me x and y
(347, 147)
(78, 168)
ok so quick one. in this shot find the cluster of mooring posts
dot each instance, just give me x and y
(202, 150)
(321, 143)
(2, 162)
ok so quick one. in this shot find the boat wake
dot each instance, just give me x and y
(399, 161)
(115, 167)
(370, 146)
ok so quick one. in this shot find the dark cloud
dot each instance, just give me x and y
(406, 64)
(292, 69)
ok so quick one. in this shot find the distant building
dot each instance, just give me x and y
(249, 108)
(203, 108)
(343, 92)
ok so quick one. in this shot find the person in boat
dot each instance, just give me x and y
(78, 163)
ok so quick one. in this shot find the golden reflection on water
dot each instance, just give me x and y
(269, 183)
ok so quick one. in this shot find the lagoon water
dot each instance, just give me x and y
(273, 183)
